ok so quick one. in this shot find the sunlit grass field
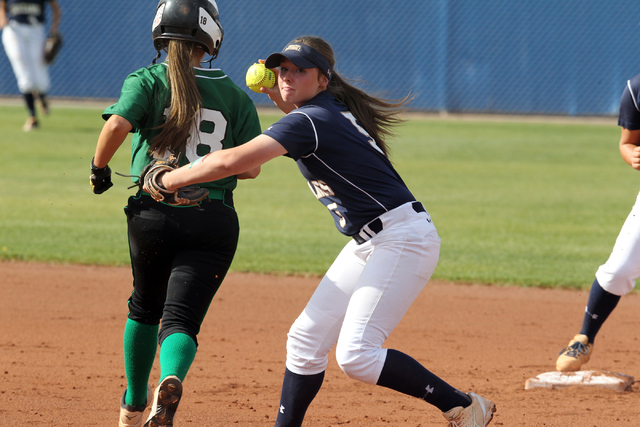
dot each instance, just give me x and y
(534, 204)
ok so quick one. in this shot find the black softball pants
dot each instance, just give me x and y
(179, 257)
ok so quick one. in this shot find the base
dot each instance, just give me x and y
(555, 379)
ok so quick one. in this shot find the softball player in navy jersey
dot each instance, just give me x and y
(617, 277)
(335, 132)
(179, 255)
(23, 37)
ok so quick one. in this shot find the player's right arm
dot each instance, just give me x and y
(113, 134)
(223, 163)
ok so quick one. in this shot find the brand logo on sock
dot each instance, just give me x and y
(429, 389)
(593, 316)
(281, 409)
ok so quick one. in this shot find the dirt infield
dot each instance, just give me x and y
(62, 360)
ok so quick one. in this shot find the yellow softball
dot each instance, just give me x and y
(258, 76)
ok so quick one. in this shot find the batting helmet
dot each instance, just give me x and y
(190, 20)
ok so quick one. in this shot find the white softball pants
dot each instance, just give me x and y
(24, 45)
(363, 296)
(619, 274)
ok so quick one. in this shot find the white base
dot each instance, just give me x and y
(555, 379)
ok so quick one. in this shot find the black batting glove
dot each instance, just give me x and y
(100, 178)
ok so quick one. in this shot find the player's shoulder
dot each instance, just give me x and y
(322, 106)
(633, 89)
(147, 78)
(210, 73)
(629, 113)
(217, 78)
(150, 72)
(634, 83)
(323, 99)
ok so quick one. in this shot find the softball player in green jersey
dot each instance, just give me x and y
(179, 255)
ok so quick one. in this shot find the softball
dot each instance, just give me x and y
(258, 76)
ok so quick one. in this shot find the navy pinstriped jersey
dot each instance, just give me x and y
(629, 117)
(344, 168)
(25, 11)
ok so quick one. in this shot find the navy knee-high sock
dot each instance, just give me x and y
(600, 305)
(31, 103)
(404, 374)
(43, 99)
(297, 393)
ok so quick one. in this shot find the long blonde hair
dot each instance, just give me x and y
(377, 115)
(185, 100)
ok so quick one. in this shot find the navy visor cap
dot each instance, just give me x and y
(302, 56)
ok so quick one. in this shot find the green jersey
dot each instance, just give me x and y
(228, 117)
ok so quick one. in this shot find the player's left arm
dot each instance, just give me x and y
(55, 8)
(224, 163)
(630, 147)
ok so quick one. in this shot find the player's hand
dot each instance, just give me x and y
(100, 178)
(635, 158)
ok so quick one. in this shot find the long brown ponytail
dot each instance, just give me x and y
(185, 102)
(377, 115)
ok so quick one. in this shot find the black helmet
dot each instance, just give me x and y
(190, 20)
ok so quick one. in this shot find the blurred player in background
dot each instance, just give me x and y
(336, 134)
(617, 277)
(23, 37)
(179, 255)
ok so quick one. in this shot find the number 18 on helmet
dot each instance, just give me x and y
(196, 21)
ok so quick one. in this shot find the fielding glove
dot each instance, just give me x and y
(183, 196)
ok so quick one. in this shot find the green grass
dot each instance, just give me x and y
(514, 203)
(519, 203)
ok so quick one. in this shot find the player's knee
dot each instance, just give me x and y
(619, 282)
(168, 329)
(360, 364)
(302, 357)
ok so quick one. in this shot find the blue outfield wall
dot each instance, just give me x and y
(563, 57)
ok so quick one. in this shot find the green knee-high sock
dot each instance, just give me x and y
(176, 355)
(140, 345)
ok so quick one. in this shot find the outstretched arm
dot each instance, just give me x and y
(223, 163)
